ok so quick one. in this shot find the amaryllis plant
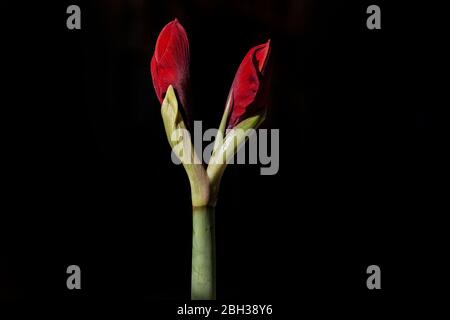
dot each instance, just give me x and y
(245, 109)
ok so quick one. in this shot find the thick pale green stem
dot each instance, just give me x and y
(203, 282)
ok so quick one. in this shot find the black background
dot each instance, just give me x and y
(89, 179)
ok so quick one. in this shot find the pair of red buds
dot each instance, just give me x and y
(245, 109)
(170, 66)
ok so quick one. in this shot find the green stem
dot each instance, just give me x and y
(203, 281)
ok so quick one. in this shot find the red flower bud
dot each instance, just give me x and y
(170, 62)
(248, 91)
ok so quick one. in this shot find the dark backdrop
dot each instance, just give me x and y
(90, 181)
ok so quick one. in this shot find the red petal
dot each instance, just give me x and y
(246, 89)
(170, 61)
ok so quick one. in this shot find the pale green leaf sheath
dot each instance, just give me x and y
(226, 148)
(180, 140)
